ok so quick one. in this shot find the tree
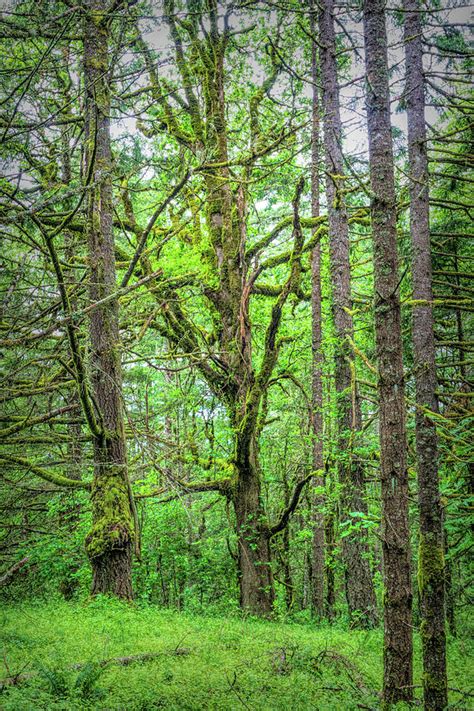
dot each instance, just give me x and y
(162, 148)
(230, 370)
(318, 547)
(98, 388)
(358, 580)
(393, 442)
(431, 574)
(109, 543)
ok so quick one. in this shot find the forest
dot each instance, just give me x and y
(236, 355)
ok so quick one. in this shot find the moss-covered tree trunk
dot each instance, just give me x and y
(70, 581)
(285, 556)
(359, 585)
(431, 578)
(398, 647)
(109, 543)
(318, 543)
(254, 556)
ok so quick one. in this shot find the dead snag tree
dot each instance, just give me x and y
(359, 585)
(109, 543)
(431, 549)
(398, 647)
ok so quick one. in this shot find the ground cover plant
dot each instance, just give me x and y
(109, 655)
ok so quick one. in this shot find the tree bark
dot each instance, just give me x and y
(359, 585)
(431, 569)
(330, 559)
(109, 543)
(449, 591)
(318, 546)
(255, 574)
(398, 647)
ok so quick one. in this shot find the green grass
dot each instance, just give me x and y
(202, 663)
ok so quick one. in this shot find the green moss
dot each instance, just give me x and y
(430, 561)
(434, 683)
(112, 526)
(98, 17)
(97, 63)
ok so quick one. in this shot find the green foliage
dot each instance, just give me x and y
(55, 681)
(200, 663)
(177, 428)
(85, 685)
(358, 521)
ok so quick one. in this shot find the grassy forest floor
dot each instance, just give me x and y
(87, 656)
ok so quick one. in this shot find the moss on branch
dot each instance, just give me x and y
(52, 478)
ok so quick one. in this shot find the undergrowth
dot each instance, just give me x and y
(111, 656)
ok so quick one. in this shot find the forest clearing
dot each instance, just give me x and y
(108, 655)
(236, 443)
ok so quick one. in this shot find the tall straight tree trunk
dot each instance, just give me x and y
(431, 579)
(317, 558)
(109, 543)
(398, 647)
(449, 592)
(75, 429)
(70, 582)
(359, 585)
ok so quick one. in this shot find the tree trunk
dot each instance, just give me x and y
(431, 552)
(330, 577)
(255, 573)
(449, 592)
(111, 573)
(109, 542)
(359, 585)
(70, 582)
(286, 550)
(398, 647)
(317, 559)
(254, 555)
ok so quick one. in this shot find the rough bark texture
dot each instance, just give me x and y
(317, 559)
(254, 556)
(431, 578)
(359, 585)
(393, 443)
(110, 539)
(449, 593)
(330, 540)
